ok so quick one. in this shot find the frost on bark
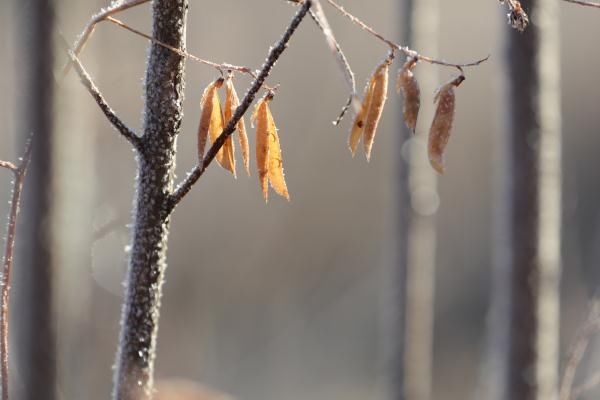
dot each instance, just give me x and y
(163, 115)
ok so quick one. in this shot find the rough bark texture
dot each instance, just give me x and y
(156, 163)
(33, 340)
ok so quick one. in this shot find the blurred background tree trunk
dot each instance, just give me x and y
(32, 329)
(75, 185)
(422, 230)
(524, 316)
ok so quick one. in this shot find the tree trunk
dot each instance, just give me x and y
(421, 228)
(526, 269)
(33, 340)
(156, 163)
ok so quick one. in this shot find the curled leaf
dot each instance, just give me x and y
(409, 87)
(211, 125)
(231, 103)
(367, 118)
(376, 106)
(268, 150)
(442, 123)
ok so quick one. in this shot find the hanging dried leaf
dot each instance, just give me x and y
(224, 155)
(262, 144)
(268, 151)
(409, 87)
(232, 101)
(367, 118)
(376, 106)
(358, 127)
(442, 123)
(276, 175)
(206, 113)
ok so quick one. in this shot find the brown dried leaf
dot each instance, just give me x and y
(442, 123)
(409, 87)
(358, 127)
(268, 151)
(276, 175)
(224, 155)
(232, 101)
(380, 84)
(262, 144)
(206, 110)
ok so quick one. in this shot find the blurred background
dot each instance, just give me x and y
(288, 300)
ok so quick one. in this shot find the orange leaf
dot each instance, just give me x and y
(380, 83)
(262, 144)
(231, 103)
(276, 175)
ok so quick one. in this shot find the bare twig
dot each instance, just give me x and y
(110, 114)
(272, 58)
(8, 165)
(219, 67)
(20, 172)
(584, 3)
(578, 349)
(586, 386)
(115, 7)
(318, 15)
(404, 49)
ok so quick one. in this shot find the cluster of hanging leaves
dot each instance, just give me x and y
(369, 114)
(213, 119)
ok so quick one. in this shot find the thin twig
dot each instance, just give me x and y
(114, 8)
(318, 15)
(404, 49)
(586, 386)
(8, 165)
(584, 3)
(110, 114)
(272, 58)
(220, 67)
(20, 172)
(587, 330)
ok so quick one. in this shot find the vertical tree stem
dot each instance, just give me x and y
(163, 115)
(20, 173)
(530, 245)
(421, 238)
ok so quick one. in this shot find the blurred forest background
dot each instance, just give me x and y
(288, 300)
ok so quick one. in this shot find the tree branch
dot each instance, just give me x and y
(110, 114)
(272, 58)
(20, 172)
(115, 7)
(584, 3)
(578, 349)
(318, 15)
(404, 49)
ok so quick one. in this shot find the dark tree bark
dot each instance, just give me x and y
(33, 341)
(163, 115)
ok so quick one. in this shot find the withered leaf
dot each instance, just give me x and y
(367, 119)
(442, 123)
(409, 87)
(232, 101)
(268, 151)
(376, 106)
